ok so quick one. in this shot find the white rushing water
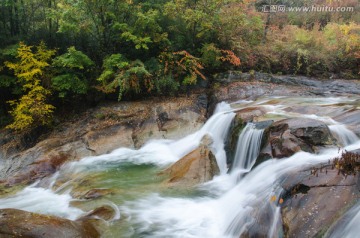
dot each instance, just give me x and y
(350, 224)
(157, 152)
(248, 147)
(343, 134)
(228, 215)
(44, 201)
(231, 203)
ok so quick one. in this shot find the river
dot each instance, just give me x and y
(223, 207)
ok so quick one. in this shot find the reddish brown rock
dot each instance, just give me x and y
(105, 212)
(195, 168)
(17, 223)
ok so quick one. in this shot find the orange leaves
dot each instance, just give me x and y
(190, 65)
(230, 57)
(274, 198)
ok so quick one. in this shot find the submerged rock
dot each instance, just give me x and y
(106, 213)
(97, 193)
(197, 167)
(17, 223)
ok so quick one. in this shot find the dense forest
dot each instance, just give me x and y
(54, 53)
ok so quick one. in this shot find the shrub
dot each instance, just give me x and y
(71, 70)
(32, 109)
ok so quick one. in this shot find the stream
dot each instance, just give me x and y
(226, 206)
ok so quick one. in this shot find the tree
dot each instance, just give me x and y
(31, 109)
(128, 76)
(72, 70)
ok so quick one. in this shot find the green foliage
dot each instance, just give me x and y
(72, 67)
(69, 83)
(111, 65)
(161, 47)
(213, 57)
(73, 59)
(166, 85)
(210, 55)
(7, 81)
(127, 76)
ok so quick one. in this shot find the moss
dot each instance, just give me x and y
(6, 191)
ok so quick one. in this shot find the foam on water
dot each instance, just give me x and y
(225, 216)
(343, 134)
(44, 201)
(230, 206)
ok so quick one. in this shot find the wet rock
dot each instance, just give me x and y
(314, 199)
(104, 140)
(106, 213)
(352, 119)
(314, 86)
(311, 131)
(17, 223)
(41, 168)
(98, 131)
(231, 141)
(288, 136)
(197, 167)
(235, 131)
(250, 113)
(96, 193)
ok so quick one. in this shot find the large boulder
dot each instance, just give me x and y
(288, 136)
(250, 113)
(197, 167)
(315, 199)
(17, 223)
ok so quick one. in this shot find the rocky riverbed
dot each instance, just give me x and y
(310, 202)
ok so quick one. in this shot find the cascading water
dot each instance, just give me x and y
(248, 146)
(224, 207)
(343, 134)
(158, 152)
(350, 224)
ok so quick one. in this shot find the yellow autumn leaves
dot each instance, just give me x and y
(31, 108)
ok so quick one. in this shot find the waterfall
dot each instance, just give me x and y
(343, 134)
(228, 215)
(248, 146)
(229, 206)
(160, 153)
(217, 127)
